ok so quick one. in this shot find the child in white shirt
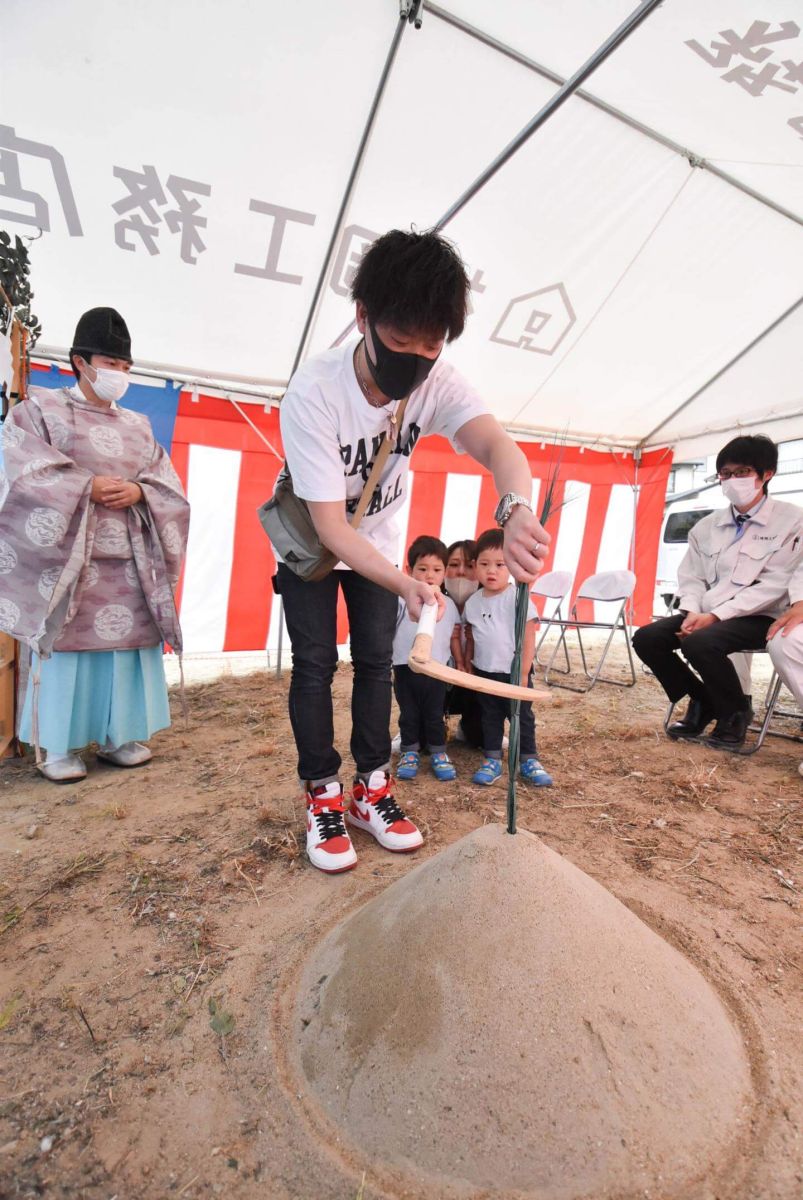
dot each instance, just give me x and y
(490, 614)
(420, 698)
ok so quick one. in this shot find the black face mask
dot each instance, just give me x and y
(395, 373)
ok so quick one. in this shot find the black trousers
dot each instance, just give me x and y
(495, 710)
(310, 610)
(463, 701)
(420, 701)
(716, 682)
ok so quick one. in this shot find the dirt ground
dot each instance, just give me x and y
(153, 922)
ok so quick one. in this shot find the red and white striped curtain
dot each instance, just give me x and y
(608, 516)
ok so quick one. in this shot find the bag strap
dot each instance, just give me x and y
(379, 464)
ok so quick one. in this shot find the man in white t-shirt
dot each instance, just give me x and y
(411, 292)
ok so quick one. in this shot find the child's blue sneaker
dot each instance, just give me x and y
(531, 771)
(408, 765)
(443, 767)
(489, 772)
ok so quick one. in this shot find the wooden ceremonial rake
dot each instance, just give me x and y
(421, 661)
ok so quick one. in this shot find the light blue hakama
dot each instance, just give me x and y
(94, 695)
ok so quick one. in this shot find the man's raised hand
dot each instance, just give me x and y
(526, 544)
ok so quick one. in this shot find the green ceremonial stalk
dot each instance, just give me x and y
(522, 606)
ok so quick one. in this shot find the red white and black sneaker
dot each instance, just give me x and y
(329, 846)
(373, 809)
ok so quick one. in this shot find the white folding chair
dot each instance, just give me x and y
(555, 585)
(610, 587)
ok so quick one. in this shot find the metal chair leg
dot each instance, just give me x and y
(619, 623)
(547, 623)
(557, 620)
(561, 642)
(770, 704)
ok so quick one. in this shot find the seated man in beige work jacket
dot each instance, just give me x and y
(732, 583)
(785, 641)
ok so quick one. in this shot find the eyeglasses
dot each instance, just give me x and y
(739, 473)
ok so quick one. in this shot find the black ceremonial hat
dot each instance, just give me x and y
(102, 331)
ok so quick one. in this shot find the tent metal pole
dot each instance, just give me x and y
(610, 110)
(732, 362)
(628, 26)
(563, 93)
(734, 426)
(349, 190)
(634, 535)
(281, 631)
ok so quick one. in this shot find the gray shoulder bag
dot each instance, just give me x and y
(287, 521)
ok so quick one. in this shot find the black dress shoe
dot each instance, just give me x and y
(698, 715)
(730, 732)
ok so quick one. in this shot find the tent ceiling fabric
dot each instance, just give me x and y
(192, 180)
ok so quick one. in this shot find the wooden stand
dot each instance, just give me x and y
(8, 646)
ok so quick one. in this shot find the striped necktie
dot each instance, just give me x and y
(741, 521)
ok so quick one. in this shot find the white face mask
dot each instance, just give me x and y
(108, 385)
(460, 589)
(741, 492)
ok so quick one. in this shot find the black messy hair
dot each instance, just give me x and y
(422, 547)
(416, 281)
(750, 450)
(467, 547)
(491, 539)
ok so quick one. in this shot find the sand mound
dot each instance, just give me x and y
(498, 1019)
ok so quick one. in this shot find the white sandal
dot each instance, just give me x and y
(131, 754)
(63, 768)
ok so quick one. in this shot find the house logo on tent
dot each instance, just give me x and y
(537, 321)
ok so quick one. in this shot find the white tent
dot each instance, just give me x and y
(188, 163)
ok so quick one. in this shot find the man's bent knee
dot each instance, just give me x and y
(704, 643)
(786, 650)
(313, 674)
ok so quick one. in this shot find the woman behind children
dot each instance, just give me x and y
(420, 698)
(490, 614)
(460, 583)
(461, 574)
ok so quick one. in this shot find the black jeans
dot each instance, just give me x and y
(495, 710)
(310, 610)
(463, 701)
(420, 701)
(716, 682)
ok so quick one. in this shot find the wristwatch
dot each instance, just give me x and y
(506, 505)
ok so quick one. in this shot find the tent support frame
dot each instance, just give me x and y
(722, 370)
(350, 185)
(567, 89)
(696, 160)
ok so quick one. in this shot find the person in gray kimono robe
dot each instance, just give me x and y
(93, 530)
